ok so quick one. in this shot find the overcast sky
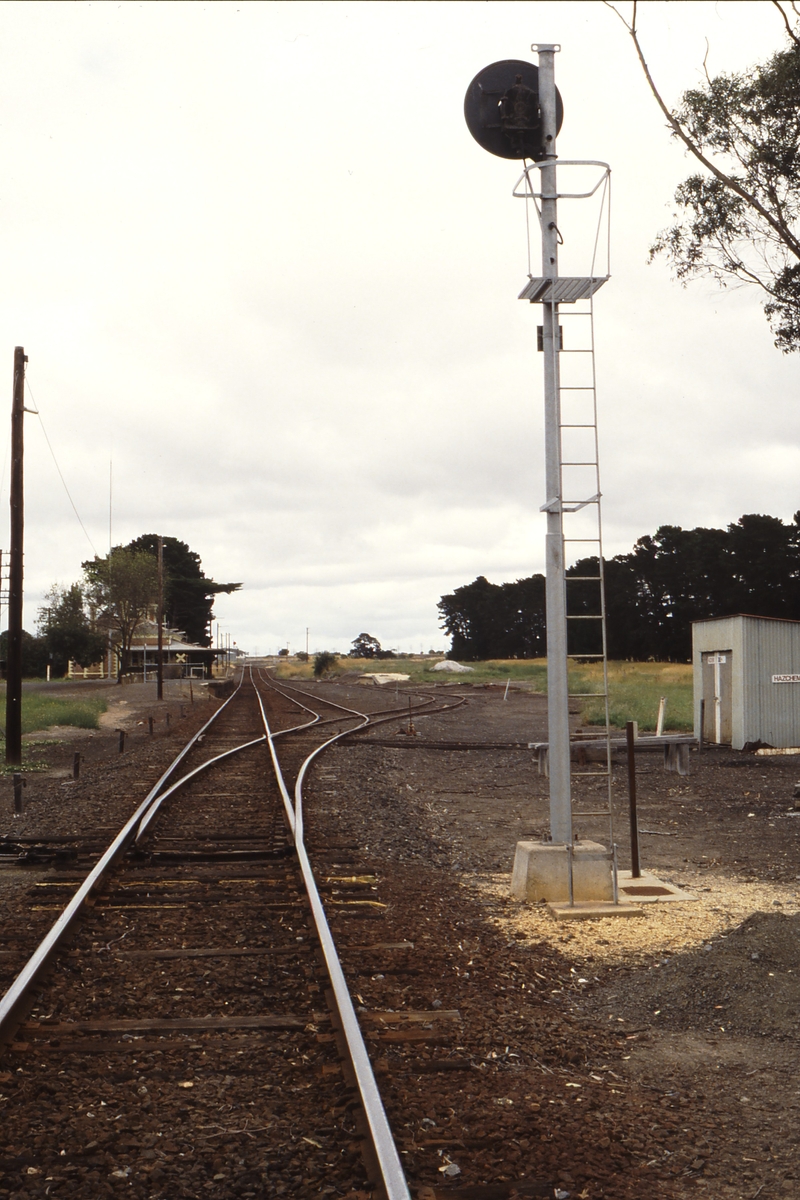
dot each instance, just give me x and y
(258, 263)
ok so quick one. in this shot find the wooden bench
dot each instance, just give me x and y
(675, 748)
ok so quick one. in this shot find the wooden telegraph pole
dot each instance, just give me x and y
(160, 620)
(14, 653)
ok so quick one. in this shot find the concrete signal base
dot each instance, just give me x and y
(541, 872)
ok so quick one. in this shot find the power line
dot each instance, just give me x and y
(35, 412)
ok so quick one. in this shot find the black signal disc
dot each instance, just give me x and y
(501, 110)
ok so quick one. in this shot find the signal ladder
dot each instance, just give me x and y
(582, 529)
(579, 495)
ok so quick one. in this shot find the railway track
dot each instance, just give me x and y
(185, 1028)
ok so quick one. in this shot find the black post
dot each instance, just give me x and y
(76, 765)
(160, 619)
(702, 726)
(635, 871)
(14, 651)
(19, 784)
(121, 740)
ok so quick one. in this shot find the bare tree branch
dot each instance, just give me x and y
(782, 230)
(787, 23)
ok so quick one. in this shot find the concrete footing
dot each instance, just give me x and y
(541, 872)
(589, 911)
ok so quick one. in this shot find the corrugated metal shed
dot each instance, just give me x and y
(747, 674)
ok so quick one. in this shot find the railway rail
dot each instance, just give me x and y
(185, 1027)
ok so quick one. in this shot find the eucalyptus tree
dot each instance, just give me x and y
(737, 219)
(122, 589)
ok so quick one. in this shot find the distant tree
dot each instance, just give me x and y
(365, 646)
(65, 625)
(188, 592)
(489, 620)
(301, 656)
(121, 588)
(738, 217)
(653, 594)
(284, 652)
(34, 654)
(323, 663)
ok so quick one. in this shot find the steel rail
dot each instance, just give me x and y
(16, 997)
(391, 1169)
(152, 812)
(379, 712)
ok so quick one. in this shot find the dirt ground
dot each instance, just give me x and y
(698, 1002)
(707, 992)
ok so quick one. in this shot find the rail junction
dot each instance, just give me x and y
(196, 957)
(178, 1033)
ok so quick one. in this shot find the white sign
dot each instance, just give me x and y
(713, 659)
(786, 678)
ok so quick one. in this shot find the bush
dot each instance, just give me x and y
(323, 663)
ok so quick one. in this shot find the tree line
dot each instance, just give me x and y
(118, 592)
(653, 594)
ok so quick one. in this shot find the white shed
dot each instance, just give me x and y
(747, 680)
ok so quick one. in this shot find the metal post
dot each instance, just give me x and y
(19, 784)
(76, 765)
(555, 591)
(630, 736)
(160, 620)
(14, 651)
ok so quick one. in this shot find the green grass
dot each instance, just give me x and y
(634, 688)
(419, 668)
(40, 712)
(634, 692)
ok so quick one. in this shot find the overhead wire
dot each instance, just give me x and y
(35, 412)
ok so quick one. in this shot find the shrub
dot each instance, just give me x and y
(323, 663)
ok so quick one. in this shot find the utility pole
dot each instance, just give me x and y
(306, 641)
(555, 586)
(160, 620)
(14, 653)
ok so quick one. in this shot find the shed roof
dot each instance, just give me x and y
(747, 616)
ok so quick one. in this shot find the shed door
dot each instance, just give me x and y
(717, 697)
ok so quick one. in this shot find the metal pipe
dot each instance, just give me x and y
(555, 587)
(570, 876)
(631, 741)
